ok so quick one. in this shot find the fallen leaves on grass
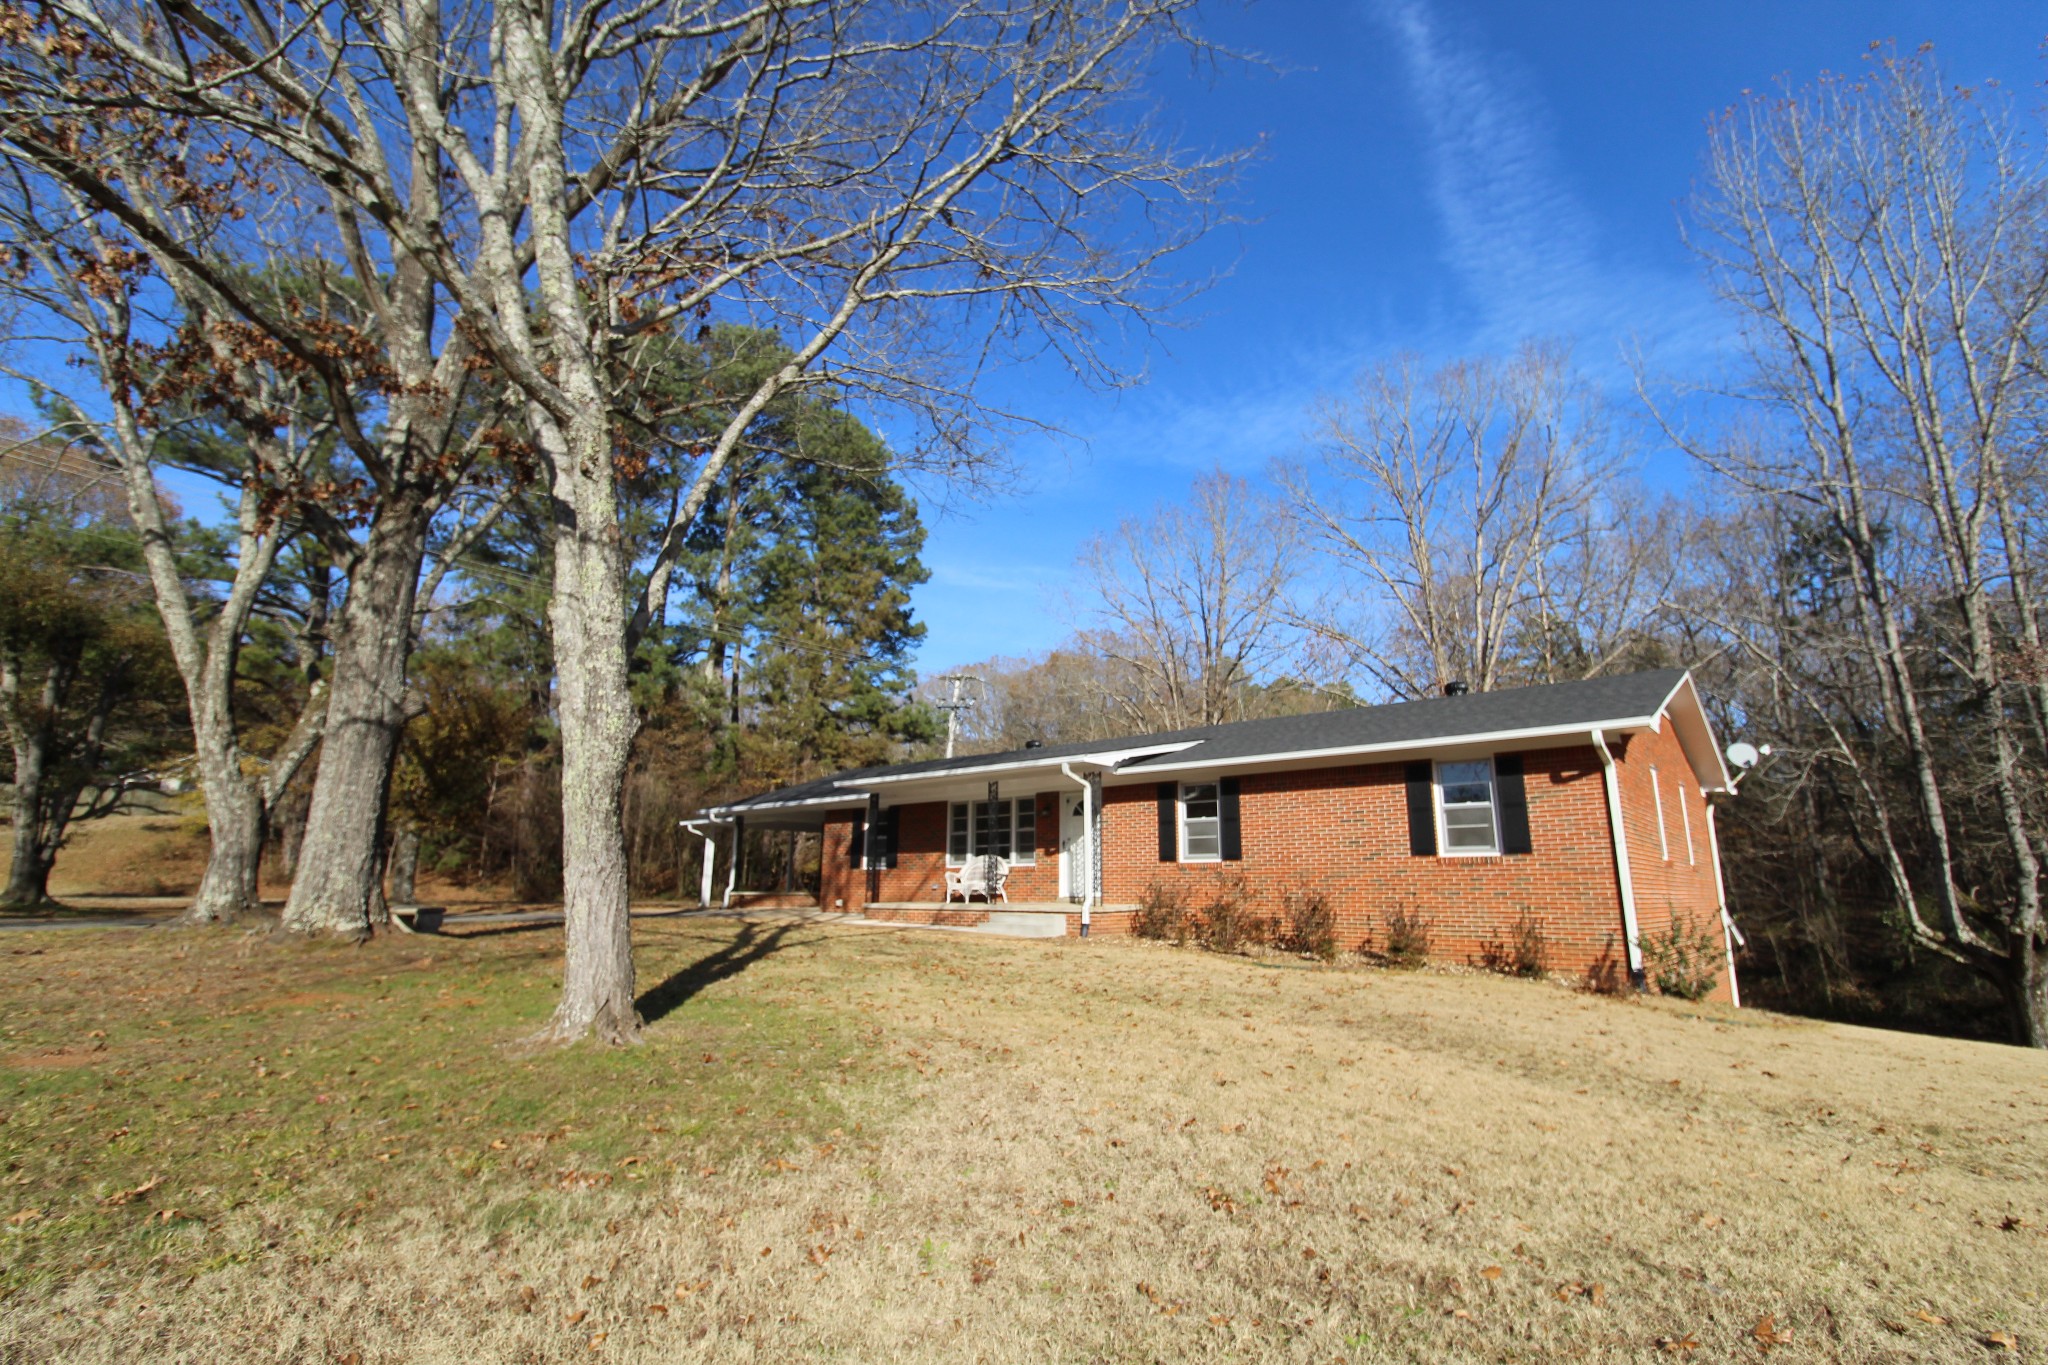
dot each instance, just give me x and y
(1595, 1294)
(120, 1197)
(1931, 1319)
(1678, 1345)
(1769, 1334)
(2000, 1341)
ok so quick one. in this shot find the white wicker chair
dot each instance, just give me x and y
(982, 876)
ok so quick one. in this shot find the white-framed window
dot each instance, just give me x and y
(1467, 825)
(1685, 815)
(1201, 823)
(1657, 799)
(1007, 829)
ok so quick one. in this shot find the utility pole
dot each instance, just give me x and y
(955, 704)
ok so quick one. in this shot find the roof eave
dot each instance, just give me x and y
(1573, 730)
(1106, 758)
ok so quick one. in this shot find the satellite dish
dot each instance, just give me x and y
(1743, 755)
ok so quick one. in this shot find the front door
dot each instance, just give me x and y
(1073, 852)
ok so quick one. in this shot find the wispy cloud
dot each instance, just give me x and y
(1525, 247)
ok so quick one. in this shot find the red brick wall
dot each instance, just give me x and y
(1344, 831)
(1668, 887)
(920, 871)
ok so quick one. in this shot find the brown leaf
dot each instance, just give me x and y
(1596, 1294)
(1492, 1272)
(658, 1309)
(2000, 1341)
(576, 1317)
(1679, 1345)
(592, 1281)
(25, 1216)
(120, 1197)
(598, 1340)
(1767, 1334)
(1931, 1319)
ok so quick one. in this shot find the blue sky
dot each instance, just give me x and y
(1444, 176)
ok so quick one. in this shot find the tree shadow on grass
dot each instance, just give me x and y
(755, 941)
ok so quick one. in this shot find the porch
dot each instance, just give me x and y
(1017, 919)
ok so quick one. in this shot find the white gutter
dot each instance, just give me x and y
(1612, 780)
(1108, 758)
(723, 814)
(1730, 934)
(1087, 845)
(1431, 745)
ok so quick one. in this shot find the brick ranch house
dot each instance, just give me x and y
(1585, 804)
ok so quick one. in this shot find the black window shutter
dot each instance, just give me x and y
(1421, 811)
(1232, 828)
(857, 847)
(890, 824)
(1169, 825)
(1513, 800)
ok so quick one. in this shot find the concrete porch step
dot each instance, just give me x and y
(1024, 924)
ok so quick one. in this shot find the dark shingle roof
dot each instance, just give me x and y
(1559, 706)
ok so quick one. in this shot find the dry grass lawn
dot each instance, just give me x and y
(873, 1145)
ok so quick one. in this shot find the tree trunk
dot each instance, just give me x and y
(235, 818)
(597, 734)
(338, 888)
(404, 866)
(27, 881)
(28, 877)
(2024, 983)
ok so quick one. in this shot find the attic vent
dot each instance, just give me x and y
(1456, 689)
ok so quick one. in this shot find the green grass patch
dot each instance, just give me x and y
(187, 1099)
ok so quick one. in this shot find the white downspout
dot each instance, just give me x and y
(1087, 846)
(1612, 780)
(732, 864)
(1730, 935)
(710, 857)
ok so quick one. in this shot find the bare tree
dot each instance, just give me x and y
(1062, 696)
(1189, 605)
(907, 190)
(1470, 529)
(80, 285)
(183, 263)
(1884, 242)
